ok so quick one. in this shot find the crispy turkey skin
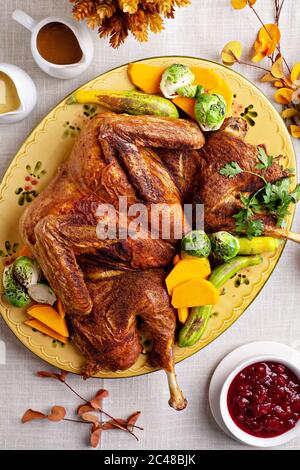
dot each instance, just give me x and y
(105, 285)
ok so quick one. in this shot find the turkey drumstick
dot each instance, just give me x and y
(109, 338)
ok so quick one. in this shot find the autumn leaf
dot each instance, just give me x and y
(284, 82)
(284, 96)
(133, 419)
(267, 41)
(31, 415)
(261, 50)
(295, 131)
(90, 418)
(289, 113)
(118, 423)
(268, 77)
(95, 436)
(277, 68)
(57, 413)
(295, 75)
(96, 402)
(45, 375)
(52, 375)
(231, 53)
(84, 409)
(240, 4)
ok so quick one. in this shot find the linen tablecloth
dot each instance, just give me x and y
(200, 30)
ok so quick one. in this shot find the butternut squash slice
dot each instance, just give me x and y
(187, 105)
(49, 317)
(145, 77)
(195, 293)
(187, 269)
(37, 325)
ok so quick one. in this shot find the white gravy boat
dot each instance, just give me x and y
(26, 91)
(79, 30)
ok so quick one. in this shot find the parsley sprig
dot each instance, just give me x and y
(272, 199)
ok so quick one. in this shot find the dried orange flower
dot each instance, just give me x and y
(116, 18)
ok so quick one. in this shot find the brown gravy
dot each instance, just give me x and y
(57, 44)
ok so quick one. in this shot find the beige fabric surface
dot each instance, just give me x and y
(201, 31)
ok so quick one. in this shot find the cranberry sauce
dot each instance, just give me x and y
(264, 399)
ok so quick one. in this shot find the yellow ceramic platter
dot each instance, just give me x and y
(50, 143)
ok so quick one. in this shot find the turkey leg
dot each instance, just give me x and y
(177, 400)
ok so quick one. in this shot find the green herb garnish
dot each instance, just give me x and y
(231, 169)
(271, 199)
(265, 160)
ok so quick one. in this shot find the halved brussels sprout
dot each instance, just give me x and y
(196, 243)
(26, 271)
(175, 80)
(14, 293)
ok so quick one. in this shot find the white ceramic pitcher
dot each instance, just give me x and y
(26, 91)
(82, 34)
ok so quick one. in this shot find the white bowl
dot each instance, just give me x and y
(237, 432)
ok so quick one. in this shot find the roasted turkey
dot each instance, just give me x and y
(107, 285)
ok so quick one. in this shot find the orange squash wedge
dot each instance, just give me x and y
(195, 293)
(49, 317)
(37, 325)
(145, 77)
(185, 270)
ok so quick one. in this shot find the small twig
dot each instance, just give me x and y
(76, 421)
(252, 65)
(280, 9)
(248, 63)
(74, 391)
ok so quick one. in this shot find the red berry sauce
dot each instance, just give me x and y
(264, 399)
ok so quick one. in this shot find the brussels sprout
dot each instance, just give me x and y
(224, 245)
(187, 91)
(42, 293)
(14, 293)
(196, 243)
(26, 271)
(210, 110)
(176, 77)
